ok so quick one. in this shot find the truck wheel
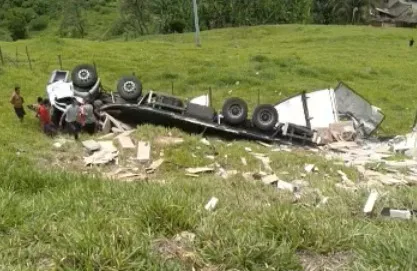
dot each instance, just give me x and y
(84, 76)
(265, 117)
(129, 87)
(235, 111)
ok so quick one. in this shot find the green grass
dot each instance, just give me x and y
(70, 220)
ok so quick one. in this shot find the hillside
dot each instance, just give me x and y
(59, 216)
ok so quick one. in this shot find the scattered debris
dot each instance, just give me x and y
(211, 205)
(299, 184)
(169, 140)
(248, 149)
(343, 131)
(126, 142)
(244, 162)
(144, 152)
(154, 166)
(116, 130)
(106, 154)
(370, 203)
(285, 186)
(91, 145)
(265, 162)
(107, 136)
(211, 157)
(270, 179)
(205, 142)
(402, 214)
(226, 174)
(310, 168)
(125, 134)
(322, 202)
(199, 170)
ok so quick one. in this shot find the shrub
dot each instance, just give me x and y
(39, 23)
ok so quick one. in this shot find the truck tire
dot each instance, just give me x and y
(84, 76)
(265, 117)
(129, 87)
(235, 111)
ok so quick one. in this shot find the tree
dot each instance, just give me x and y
(73, 23)
(135, 14)
(17, 23)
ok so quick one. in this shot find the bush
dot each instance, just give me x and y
(5, 35)
(17, 26)
(174, 26)
(39, 23)
(117, 28)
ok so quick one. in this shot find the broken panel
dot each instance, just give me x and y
(366, 116)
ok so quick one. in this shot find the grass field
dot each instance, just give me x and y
(65, 220)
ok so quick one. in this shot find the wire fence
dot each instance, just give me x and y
(41, 61)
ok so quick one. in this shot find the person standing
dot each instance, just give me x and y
(89, 119)
(17, 101)
(45, 118)
(71, 115)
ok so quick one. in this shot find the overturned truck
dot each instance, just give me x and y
(293, 120)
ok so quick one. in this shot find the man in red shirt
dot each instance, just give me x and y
(45, 118)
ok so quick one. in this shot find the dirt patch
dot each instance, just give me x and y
(333, 262)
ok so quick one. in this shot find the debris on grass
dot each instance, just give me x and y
(265, 162)
(282, 185)
(164, 140)
(270, 179)
(91, 145)
(106, 154)
(154, 166)
(370, 203)
(107, 136)
(144, 152)
(205, 142)
(211, 205)
(126, 142)
(310, 168)
(199, 170)
(393, 213)
(248, 149)
(244, 162)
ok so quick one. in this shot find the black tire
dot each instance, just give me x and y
(235, 111)
(84, 76)
(265, 117)
(129, 87)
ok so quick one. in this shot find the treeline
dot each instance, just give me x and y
(140, 17)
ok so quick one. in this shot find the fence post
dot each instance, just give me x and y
(17, 60)
(60, 61)
(27, 53)
(172, 87)
(1, 57)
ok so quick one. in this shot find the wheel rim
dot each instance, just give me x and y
(265, 117)
(129, 86)
(84, 75)
(235, 110)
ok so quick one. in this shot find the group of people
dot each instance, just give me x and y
(78, 117)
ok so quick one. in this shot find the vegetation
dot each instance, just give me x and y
(132, 18)
(59, 220)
